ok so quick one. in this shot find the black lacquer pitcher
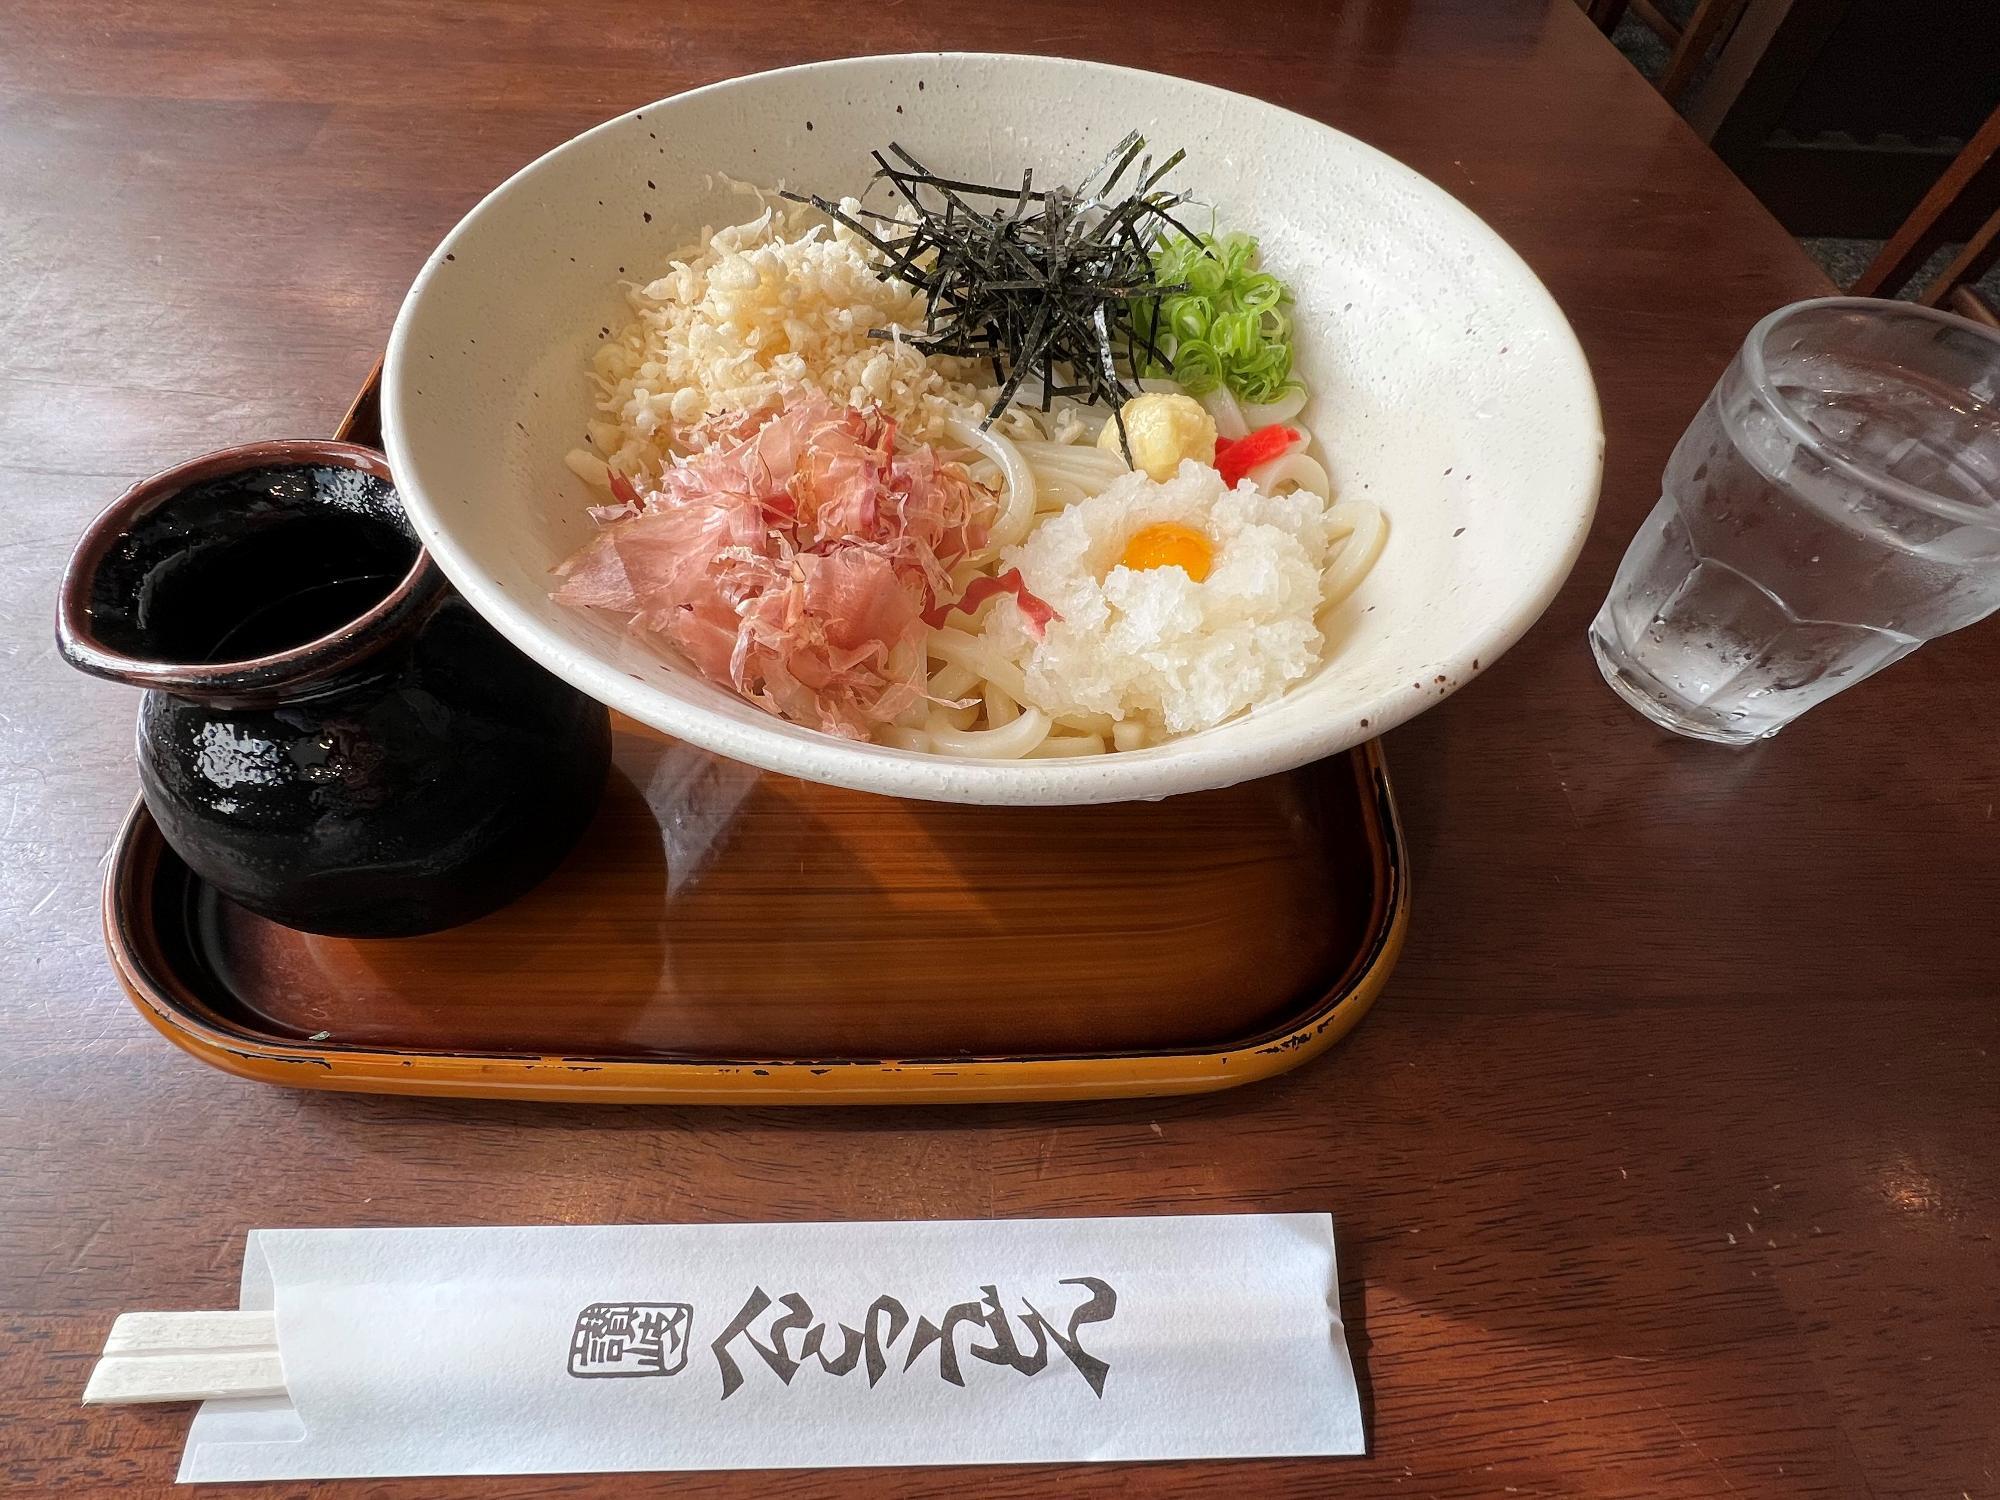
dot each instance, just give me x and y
(330, 735)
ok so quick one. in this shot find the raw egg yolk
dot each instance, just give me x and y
(1171, 545)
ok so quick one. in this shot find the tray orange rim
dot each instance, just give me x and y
(176, 1010)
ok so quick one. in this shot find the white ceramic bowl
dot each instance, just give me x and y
(1446, 386)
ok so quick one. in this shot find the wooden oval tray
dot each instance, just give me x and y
(724, 935)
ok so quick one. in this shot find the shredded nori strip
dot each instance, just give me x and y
(1030, 280)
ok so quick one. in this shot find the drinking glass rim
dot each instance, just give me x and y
(1901, 489)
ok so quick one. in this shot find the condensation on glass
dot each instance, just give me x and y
(1835, 504)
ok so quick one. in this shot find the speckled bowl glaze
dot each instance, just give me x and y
(1446, 385)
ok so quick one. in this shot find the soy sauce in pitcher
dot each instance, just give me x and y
(332, 737)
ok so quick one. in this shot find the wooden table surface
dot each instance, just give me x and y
(1666, 1166)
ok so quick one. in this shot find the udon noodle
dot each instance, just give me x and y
(816, 504)
(975, 697)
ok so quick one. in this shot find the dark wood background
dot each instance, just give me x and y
(1853, 108)
(1667, 1165)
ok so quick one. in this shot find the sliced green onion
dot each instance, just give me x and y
(1206, 277)
(1187, 317)
(1237, 251)
(1197, 367)
(1260, 291)
(1228, 328)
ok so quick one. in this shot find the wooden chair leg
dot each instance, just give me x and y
(1655, 20)
(1918, 239)
(1711, 19)
(1971, 263)
(1606, 13)
(1969, 304)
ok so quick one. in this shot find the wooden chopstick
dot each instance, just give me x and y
(187, 1356)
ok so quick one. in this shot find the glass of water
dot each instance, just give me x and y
(1835, 504)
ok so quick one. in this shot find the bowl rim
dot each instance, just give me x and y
(1195, 763)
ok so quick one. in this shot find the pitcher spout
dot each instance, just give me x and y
(261, 572)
